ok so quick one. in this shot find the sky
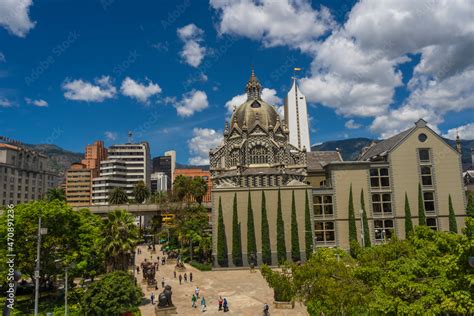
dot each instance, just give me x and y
(72, 72)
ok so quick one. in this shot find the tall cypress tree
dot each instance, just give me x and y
(295, 241)
(221, 239)
(408, 221)
(470, 204)
(281, 247)
(251, 241)
(352, 223)
(421, 207)
(453, 227)
(308, 235)
(236, 238)
(266, 251)
(364, 220)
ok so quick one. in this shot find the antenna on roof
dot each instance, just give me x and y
(130, 134)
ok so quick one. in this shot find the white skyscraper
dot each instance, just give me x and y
(296, 117)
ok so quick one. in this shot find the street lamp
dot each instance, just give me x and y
(72, 266)
(41, 231)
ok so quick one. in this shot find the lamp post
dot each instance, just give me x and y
(362, 237)
(66, 284)
(41, 231)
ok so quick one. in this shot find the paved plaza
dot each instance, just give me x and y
(245, 292)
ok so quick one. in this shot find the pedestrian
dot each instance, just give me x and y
(152, 298)
(180, 278)
(174, 274)
(190, 277)
(225, 305)
(163, 282)
(220, 303)
(185, 277)
(203, 304)
(193, 299)
(138, 270)
(266, 309)
(196, 291)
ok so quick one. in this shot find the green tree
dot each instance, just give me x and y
(119, 237)
(453, 226)
(281, 246)
(118, 196)
(251, 241)
(56, 194)
(280, 282)
(198, 188)
(236, 237)
(470, 204)
(352, 224)
(365, 220)
(421, 207)
(266, 251)
(408, 221)
(140, 192)
(308, 234)
(221, 238)
(115, 294)
(295, 241)
(182, 187)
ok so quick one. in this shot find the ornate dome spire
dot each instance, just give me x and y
(253, 88)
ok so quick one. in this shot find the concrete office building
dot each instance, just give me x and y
(164, 164)
(24, 174)
(79, 185)
(127, 164)
(296, 116)
(159, 182)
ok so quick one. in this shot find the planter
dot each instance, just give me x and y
(284, 305)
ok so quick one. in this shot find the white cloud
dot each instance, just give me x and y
(39, 102)
(190, 103)
(192, 36)
(14, 16)
(111, 135)
(203, 140)
(138, 91)
(5, 103)
(268, 95)
(2, 57)
(465, 132)
(351, 124)
(80, 90)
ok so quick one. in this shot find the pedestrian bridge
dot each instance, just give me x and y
(143, 209)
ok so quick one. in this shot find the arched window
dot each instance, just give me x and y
(234, 158)
(258, 155)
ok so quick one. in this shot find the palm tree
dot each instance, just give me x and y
(118, 196)
(198, 188)
(140, 192)
(56, 194)
(205, 246)
(181, 187)
(119, 237)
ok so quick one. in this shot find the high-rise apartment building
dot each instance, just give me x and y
(79, 185)
(24, 175)
(127, 164)
(296, 118)
(94, 154)
(172, 154)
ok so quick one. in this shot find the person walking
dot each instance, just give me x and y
(152, 298)
(203, 304)
(193, 299)
(225, 305)
(196, 291)
(190, 277)
(138, 270)
(185, 277)
(220, 301)
(266, 309)
(174, 274)
(163, 282)
(180, 278)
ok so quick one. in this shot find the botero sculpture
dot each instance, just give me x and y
(164, 300)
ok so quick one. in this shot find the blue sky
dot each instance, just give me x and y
(72, 72)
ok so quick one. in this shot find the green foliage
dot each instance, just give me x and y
(453, 226)
(280, 282)
(115, 294)
(352, 222)
(198, 188)
(221, 238)
(181, 187)
(118, 196)
(266, 251)
(251, 242)
(364, 220)
(470, 204)
(201, 266)
(236, 236)
(421, 207)
(56, 194)
(140, 192)
(408, 221)
(295, 241)
(281, 246)
(119, 238)
(187, 188)
(308, 235)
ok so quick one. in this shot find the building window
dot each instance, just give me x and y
(322, 205)
(432, 223)
(426, 179)
(428, 199)
(234, 157)
(258, 155)
(424, 155)
(383, 229)
(324, 232)
(422, 137)
(379, 178)
(381, 203)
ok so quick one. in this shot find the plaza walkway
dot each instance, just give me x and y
(245, 292)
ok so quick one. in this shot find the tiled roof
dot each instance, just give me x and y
(385, 145)
(316, 160)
